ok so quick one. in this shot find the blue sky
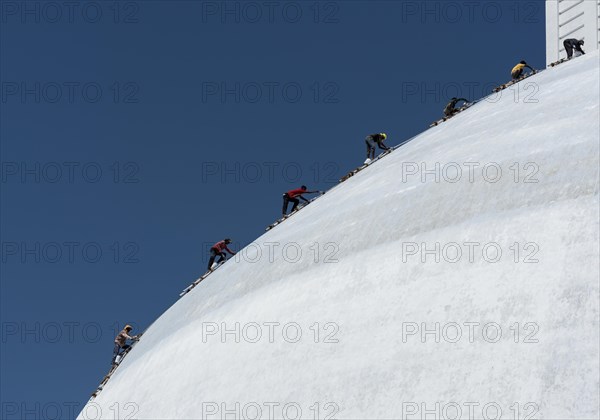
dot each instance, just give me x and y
(135, 134)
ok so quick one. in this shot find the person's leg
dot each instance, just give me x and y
(124, 350)
(120, 351)
(222, 257)
(517, 73)
(569, 49)
(211, 260)
(296, 202)
(370, 148)
(286, 200)
(115, 353)
(450, 112)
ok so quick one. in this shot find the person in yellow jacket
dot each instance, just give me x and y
(517, 70)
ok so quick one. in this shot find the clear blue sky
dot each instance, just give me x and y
(133, 134)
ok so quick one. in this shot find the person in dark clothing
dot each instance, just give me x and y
(573, 44)
(121, 346)
(451, 107)
(294, 196)
(373, 140)
(217, 251)
(517, 70)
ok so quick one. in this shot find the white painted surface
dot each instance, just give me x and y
(375, 297)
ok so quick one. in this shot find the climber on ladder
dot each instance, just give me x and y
(573, 44)
(217, 251)
(517, 70)
(373, 140)
(293, 196)
(451, 107)
(121, 346)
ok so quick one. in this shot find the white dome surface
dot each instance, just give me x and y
(401, 335)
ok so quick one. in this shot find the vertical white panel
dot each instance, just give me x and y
(566, 19)
(551, 31)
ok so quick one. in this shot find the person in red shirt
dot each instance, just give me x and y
(217, 251)
(293, 196)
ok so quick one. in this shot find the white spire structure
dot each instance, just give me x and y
(455, 278)
(579, 19)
